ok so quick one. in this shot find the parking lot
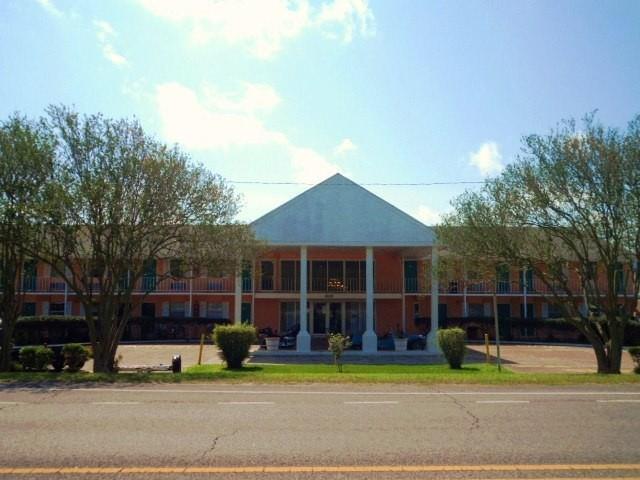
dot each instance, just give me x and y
(521, 358)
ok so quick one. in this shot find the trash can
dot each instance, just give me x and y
(176, 364)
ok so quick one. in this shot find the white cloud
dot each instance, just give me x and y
(427, 215)
(105, 33)
(49, 6)
(309, 166)
(223, 121)
(348, 16)
(186, 120)
(487, 159)
(262, 26)
(345, 146)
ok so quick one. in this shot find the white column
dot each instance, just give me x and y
(191, 296)
(237, 309)
(303, 340)
(524, 292)
(404, 300)
(369, 339)
(253, 293)
(432, 339)
(465, 304)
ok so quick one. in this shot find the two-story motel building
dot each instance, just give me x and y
(339, 259)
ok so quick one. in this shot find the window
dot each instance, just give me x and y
(245, 312)
(355, 280)
(218, 311)
(530, 311)
(177, 309)
(28, 309)
(149, 275)
(266, 275)
(29, 275)
(148, 310)
(526, 279)
(246, 277)
(175, 268)
(416, 310)
(289, 315)
(619, 278)
(290, 275)
(319, 276)
(503, 279)
(476, 310)
(96, 268)
(555, 311)
(411, 276)
(335, 280)
(56, 309)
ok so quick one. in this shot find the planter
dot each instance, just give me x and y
(273, 343)
(400, 344)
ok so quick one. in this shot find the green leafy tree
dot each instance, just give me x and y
(25, 169)
(122, 200)
(568, 209)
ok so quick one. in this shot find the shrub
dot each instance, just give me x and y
(635, 356)
(338, 343)
(75, 355)
(234, 342)
(452, 344)
(35, 358)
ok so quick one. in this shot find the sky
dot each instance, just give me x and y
(382, 91)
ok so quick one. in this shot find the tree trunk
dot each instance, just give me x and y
(103, 360)
(608, 355)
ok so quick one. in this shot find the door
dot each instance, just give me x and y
(319, 318)
(335, 318)
(410, 276)
(529, 314)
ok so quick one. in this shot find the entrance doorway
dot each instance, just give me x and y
(347, 318)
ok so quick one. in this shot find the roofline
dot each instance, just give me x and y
(414, 220)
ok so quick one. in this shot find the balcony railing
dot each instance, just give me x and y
(355, 286)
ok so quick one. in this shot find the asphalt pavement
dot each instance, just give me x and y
(341, 431)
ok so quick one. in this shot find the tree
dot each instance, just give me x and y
(25, 168)
(568, 209)
(121, 200)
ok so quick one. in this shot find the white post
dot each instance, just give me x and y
(404, 299)
(191, 295)
(66, 294)
(524, 292)
(303, 340)
(465, 304)
(432, 338)
(369, 338)
(237, 310)
(253, 293)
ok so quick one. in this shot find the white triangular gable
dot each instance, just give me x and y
(339, 212)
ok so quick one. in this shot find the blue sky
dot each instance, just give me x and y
(395, 91)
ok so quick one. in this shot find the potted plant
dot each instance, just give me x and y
(400, 341)
(272, 343)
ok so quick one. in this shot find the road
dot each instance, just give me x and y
(389, 428)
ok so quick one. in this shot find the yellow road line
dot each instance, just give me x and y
(325, 469)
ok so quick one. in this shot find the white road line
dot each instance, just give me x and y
(618, 401)
(391, 402)
(246, 403)
(318, 392)
(116, 403)
(502, 401)
(12, 403)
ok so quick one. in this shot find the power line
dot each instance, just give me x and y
(386, 184)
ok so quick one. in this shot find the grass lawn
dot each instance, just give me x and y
(479, 374)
